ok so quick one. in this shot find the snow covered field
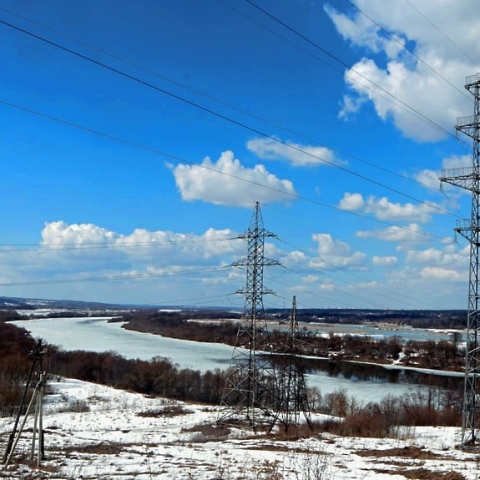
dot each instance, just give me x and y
(96, 432)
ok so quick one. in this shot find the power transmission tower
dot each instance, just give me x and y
(469, 179)
(251, 392)
(292, 386)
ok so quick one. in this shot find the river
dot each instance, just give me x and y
(367, 383)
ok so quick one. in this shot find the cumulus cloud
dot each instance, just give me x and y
(438, 273)
(352, 202)
(88, 241)
(335, 253)
(89, 262)
(449, 256)
(431, 178)
(397, 78)
(385, 261)
(228, 182)
(383, 209)
(410, 234)
(294, 153)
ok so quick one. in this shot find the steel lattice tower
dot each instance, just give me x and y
(291, 380)
(469, 179)
(250, 393)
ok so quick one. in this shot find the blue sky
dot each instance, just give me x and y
(138, 189)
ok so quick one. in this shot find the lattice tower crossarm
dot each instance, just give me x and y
(250, 394)
(469, 179)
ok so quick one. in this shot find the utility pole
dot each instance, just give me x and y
(468, 178)
(251, 393)
(37, 358)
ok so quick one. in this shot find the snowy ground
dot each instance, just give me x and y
(95, 432)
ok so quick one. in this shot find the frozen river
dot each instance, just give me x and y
(96, 334)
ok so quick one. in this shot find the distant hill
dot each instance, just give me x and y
(16, 303)
(415, 318)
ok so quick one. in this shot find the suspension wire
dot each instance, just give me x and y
(331, 55)
(405, 47)
(343, 269)
(179, 159)
(139, 276)
(443, 34)
(219, 115)
(229, 105)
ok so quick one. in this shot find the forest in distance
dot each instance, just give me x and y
(160, 377)
(438, 355)
(34, 308)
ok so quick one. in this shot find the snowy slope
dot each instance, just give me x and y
(96, 432)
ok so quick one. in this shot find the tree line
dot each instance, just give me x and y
(441, 355)
(161, 377)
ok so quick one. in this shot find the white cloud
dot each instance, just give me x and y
(384, 261)
(87, 242)
(352, 202)
(457, 161)
(137, 267)
(431, 178)
(383, 209)
(409, 234)
(437, 273)
(450, 256)
(228, 182)
(298, 155)
(407, 80)
(335, 253)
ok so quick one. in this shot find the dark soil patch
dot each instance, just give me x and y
(97, 449)
(170, 411)
(209, 431)
(422, 474)
(406, 452)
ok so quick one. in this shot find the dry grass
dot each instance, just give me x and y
(422, 474)
(414, 453)
(169, 411)
(208, 432)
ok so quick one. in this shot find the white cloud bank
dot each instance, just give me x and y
(411, 233)
(383, 209)
(221, 183)
(385, 261)
(91, 241)
(409, 81)
(294, 153)
(335, 253)
(85, 261)
(431, 178)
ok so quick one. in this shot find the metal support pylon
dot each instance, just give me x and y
(469, 179)
(251, 389)
(291, 378)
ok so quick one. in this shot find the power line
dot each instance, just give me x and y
(333, 287)
(311, 293)
(343, 269)
(226, 104)
(405, 47)
(179, 159)
(331, 55)
(183, 301)
(89, 246)
(219, 115)
(443, 34)
(113, 277)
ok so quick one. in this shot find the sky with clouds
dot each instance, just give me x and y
(135, 139)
